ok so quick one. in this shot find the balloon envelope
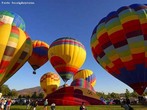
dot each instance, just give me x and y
(119, 42)
(86, 74)
(39, 55)
(66, 55)
(82, 83)
(72, 96)
(12, 18)
(50, 82)
(15, 49)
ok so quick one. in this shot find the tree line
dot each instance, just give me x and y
(7, 92)
(114, 95)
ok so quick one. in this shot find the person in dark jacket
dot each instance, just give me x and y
(82, 107)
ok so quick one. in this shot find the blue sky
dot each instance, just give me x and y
(48, 20)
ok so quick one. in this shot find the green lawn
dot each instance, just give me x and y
(98, 107)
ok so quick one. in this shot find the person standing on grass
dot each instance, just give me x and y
(82, 107)
(45, 104)
(2, 104)
(35, 104)
(9, 102)
(53, 106)
(28, 104)
(125, 105)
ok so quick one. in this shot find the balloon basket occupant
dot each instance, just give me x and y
(34, 72)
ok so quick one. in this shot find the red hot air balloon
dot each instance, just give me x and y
(119, 45)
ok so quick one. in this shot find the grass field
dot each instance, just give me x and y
(99, 107)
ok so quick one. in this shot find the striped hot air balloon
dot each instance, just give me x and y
(15, 49)
(82, 83)
(66, 55)
(119, 45)
(86, 74)
(12, 18)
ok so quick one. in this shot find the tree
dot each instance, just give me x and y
(34, 95)
(101, 94)
(127, 94)
(114, 95)
(19, 96)
(28, 96)
(40, 95)
(134, 94)
(13, 93)
(4, 89)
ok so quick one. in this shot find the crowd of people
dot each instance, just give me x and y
(5, 104)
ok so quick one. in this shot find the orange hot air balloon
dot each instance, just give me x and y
(15, 49)
(66, 55)
(50, 82)
(119, 45)
(39, 55)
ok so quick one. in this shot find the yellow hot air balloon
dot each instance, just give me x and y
(67, 55)
(86, 74)
(49, 82)
(15, 49)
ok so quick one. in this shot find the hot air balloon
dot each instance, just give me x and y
(15, 49)
(40, 51)
(50, 82)
(82, 83)
(86, 74)
(118, 44)
(12, 18)
(73, 95)
(66, 55)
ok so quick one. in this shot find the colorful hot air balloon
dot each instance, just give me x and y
(66, 55)
(118, 44)
(12, 18)
(15, 49)
(50, 82)
(73, 96)
(86, 74)
(82, 83)
(39, 55)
